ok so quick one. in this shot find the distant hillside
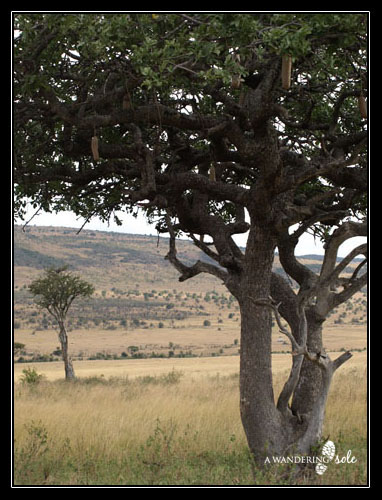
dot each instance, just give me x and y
(107, 259)
(320, 258)
(137, 290)
(111, 259)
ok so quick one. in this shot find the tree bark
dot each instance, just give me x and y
(63, 337)
(277, 429)
(261, 420)
(309, 385)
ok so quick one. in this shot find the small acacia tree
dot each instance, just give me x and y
(216, 125)
(55, 291)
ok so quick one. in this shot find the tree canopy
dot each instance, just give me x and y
(56, 290)
(169, 95)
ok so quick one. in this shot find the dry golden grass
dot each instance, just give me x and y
(189, 336)
(112, 419)
(193, 367)
(206, 397)
(162, 411)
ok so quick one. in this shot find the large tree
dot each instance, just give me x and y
(215, 125)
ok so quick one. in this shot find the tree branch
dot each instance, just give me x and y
(204, 247)
(274, 307)
(325, 166)
(341, 360)
(347, 230)
(217, 190)
(300, 273)
(350, 289)
(332, 277)
(188, 272)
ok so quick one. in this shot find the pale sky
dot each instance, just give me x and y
(131, 225)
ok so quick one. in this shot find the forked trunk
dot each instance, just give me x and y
(315, 418)
(63, 337)
(275, 428)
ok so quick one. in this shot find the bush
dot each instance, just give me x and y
(31, 377)
(172, 377)
(17, 347)
(133, 348)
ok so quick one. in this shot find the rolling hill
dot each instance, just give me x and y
(139, 302)
(110, 259)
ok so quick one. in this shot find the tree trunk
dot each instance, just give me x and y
(261, 420)
(309, 385)
(277, 429)
(313, 432)
(63, 337)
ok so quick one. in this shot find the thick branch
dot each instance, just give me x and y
(326, 166)
(352, 287)
(341, 360)
(332, 277)
(347, 230)
(188, 272)
(300, 273)
(298, 350)
(217, 190)
(205, 247)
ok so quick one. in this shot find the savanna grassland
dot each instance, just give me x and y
(177, 427)
(156, 401)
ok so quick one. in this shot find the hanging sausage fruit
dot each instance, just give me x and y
(235, 78)
(286, 71)
(362, 105)
(212, 173)
(95, 148)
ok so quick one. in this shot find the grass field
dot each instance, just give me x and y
(165, 422)
(168, 421)
(193, 367)
(216, 339)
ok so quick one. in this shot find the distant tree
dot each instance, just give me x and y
(55, 291)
